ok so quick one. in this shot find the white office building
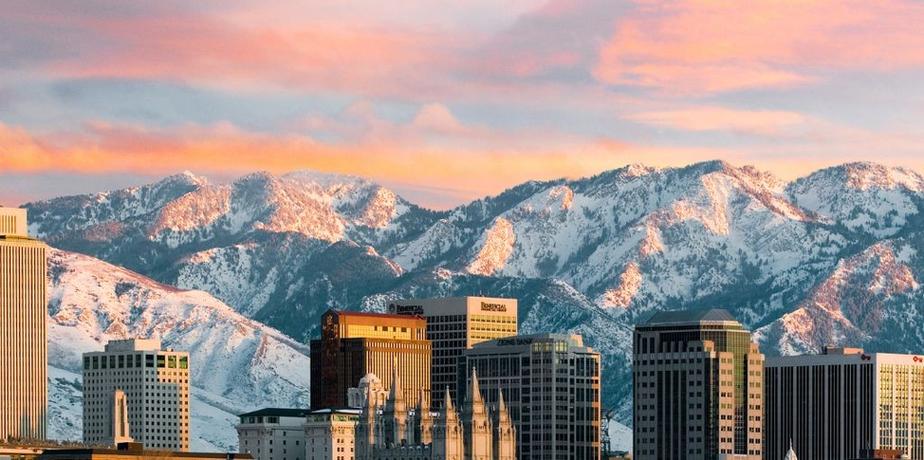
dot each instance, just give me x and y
(273, 434)
(155, 383)
(843, 402)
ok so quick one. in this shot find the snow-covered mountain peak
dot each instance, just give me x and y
(864, 197)
(326, 179)
(867, 176)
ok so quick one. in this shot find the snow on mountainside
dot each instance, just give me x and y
(257, 230)
(864, 197)
(828, 258)
(619, 236)
(237, 364)
(869, 299)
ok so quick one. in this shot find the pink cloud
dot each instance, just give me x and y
(710, 46)
(710, 118)
(469, 171)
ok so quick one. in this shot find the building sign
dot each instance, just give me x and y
(407, 309)
(488, 306)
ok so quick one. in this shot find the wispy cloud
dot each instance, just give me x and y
(711, 46)
(710, 118)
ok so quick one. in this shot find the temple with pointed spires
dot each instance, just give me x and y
(396, 432)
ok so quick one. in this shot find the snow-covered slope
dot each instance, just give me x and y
(863, 197)
(237, 364)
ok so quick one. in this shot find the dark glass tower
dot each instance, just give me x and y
(697, 387)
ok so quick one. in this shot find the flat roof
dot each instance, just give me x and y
(277, 411)
(690, 317)
(70, 453)
(370, 314)
(854, 356)
(336, 410)
(442, 306)
(575, 342)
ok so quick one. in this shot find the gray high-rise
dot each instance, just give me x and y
(551, 384)
(697, 389)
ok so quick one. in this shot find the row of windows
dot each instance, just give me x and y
(136, 360)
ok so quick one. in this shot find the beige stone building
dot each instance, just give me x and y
(330, 434)
(23, 342)
(455, 324)
(156, 387)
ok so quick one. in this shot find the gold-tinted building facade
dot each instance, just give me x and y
(354, 344)
(23, 342)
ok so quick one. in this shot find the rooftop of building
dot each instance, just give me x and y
(455, 298)
(690, 317)
(133, 450)
(277, 412)
(134, 344)
(336, 410)
(573, 340)
(369, 314)
(13, 223)
(845, 355)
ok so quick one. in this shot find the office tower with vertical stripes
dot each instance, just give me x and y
(844, 402)
(356, 344)
(23, 342)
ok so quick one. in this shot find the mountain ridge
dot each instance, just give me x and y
(591, 255)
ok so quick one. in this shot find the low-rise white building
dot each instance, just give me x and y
(273, 434)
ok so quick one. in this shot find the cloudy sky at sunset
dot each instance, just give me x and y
(450, 100)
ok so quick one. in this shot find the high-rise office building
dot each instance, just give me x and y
(355, 344)
(155, 383)
(455, 324)
(840, 403)
(551, 385)
(23, 342)
(697, 388)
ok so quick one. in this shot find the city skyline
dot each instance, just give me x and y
(482, 97)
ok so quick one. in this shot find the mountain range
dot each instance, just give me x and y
(827, 259)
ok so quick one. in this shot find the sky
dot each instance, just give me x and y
(446, 101)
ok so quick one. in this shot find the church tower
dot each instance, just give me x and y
(394, 417)
(366, 428)
(423, 422)
(476, 424)
(447, 434)
(504, 432)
